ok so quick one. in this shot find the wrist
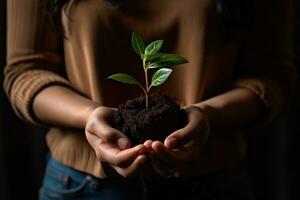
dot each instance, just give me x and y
(210, 115)
(87, 111)
(204, 109)
(232, 110)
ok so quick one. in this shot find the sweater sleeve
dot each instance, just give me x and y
(33, 58)
(268, 69)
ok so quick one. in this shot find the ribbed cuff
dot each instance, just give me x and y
(27, 86)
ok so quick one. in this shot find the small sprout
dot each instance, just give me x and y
(152, 59)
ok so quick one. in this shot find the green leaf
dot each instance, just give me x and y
(124, 78)
(137, 44)
(157, 65)
(159, 60)
(154, 47)
(161, 76)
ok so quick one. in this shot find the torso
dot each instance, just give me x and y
(97, 44)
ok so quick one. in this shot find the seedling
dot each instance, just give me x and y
(152, 59)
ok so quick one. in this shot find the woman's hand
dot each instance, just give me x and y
(111, 146)
(179, 154)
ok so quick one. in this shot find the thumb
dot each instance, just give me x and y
(110, 135)
(98, 124)
(197, 128)
(178, 138)
(115, 137)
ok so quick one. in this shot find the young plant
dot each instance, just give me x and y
(151, 59)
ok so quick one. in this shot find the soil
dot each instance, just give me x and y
(163, 117)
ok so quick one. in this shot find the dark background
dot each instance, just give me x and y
(272, 157)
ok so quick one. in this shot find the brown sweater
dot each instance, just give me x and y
(97, 44)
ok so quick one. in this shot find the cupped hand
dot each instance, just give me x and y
(112, 146)
(181, 150)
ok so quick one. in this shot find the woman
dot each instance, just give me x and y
(237, 79)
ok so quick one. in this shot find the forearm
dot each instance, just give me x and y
(234, 109)
(61, 106)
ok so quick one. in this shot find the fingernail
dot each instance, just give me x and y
(122, 143)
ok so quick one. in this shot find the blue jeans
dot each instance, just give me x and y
(62, 182)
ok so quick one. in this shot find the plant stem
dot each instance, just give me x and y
(145, 92)
(146, 82)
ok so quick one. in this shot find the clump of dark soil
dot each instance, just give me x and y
(163, 117)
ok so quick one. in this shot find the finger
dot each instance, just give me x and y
(112, 155)
(99, 124)
(196, 128)
(160, 167)
(163, 153)
(109, 154)
(147, 144)
(133, 169)
(180, 160)
(175, 157)
(103, 130)
(149, 171)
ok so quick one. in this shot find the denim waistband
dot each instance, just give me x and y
(62, 171)
(59, 169)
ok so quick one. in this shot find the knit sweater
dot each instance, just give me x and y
(96, 43)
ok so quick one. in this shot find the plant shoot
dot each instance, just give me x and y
(151, 59)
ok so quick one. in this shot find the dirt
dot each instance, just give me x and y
(163, 117)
